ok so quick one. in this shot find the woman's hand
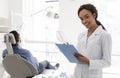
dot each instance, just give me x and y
(81, 58)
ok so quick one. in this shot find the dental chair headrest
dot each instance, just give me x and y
(9, 38)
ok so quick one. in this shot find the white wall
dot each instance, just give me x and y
(70, 24)
(4, 8)
(7, 18)
(3, 15)
(15, 13)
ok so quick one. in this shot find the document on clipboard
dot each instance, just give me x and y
(68, 50)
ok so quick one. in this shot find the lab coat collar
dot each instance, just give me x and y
(96, 32)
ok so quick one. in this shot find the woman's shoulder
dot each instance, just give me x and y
(105, 34)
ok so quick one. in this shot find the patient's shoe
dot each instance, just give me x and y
(57, 66)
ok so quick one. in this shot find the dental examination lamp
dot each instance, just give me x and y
(48, 11)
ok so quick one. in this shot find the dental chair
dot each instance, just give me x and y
(14, 64)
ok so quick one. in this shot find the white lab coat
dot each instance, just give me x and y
(97, 48)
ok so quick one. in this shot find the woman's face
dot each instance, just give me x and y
(87, 18)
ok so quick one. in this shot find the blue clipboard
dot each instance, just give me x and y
(68, 50)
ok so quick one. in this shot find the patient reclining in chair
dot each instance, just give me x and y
(26, 54)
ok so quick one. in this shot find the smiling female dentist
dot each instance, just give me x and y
(95, 45)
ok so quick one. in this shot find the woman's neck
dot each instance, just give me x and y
(91, 30)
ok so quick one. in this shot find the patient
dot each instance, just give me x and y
(26, 54)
